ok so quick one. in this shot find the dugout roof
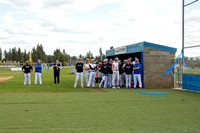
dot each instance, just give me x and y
(138, 47)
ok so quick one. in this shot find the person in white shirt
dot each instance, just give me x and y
(115, 69)
(133, 63)
(93, 69)
(87, 70)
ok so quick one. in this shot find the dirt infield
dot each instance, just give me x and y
(2, 79)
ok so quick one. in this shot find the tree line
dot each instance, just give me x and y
(16, 55)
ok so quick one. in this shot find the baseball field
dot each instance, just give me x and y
(60, 108)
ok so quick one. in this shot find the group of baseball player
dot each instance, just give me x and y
(112, 73)
(27, 70)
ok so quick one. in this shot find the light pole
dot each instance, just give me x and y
(183, 31)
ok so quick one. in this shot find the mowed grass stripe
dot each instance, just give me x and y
(116, 111)
(16, 84)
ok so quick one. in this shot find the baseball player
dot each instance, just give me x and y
(92, 74)
(121, 73)
(137, 73)
(27, 69)
(124, 74)
(110, 73)
(133, 63)
(87, 70)
(128, 70)
(104, 70)
(38, 71)
(79, 69)
(56, 68)
(99, 71)
(115, 69)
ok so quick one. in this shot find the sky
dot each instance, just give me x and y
(82, 25)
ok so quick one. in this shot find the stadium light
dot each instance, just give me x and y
(183, 32)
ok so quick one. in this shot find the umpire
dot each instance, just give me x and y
(56, 68)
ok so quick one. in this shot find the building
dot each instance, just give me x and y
(155, 60)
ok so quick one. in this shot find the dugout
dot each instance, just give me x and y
(155, 59)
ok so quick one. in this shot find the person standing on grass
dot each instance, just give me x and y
(133, 63)
(121, 74)
(104, 70)
(115, 69)
(56, 68)
(93, 69)
(27, 69)
(99, 75)
(79, 73)
(38, 71)
(110, 73)
(87, 70)
(128, 70)
(137, 73)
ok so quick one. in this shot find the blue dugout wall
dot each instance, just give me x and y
(191, 82)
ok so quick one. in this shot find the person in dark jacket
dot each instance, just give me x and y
(128, 68)
(121, 73)
(56, 68)
(104, 71)
(79, 69)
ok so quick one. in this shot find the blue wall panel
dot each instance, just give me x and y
(134, 48)
(191, 82)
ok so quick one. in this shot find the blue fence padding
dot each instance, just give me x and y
(134, 48)
(191, 82)
(161, 47)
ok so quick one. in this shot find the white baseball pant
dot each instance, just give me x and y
(121, 79)
(110, 80)
(128, 80)
(77, 78)
(92, 79)
(137, 77)
(132, 77)
(38, 75)
(115, 77)
(87, 74)
(105, 80)
(27, 76)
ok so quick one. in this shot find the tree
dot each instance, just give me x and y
(14, 54)
(192, 64)
(19, 56)
(58, 55)
(89, 55)
(25, 56)
(5, 55)
(1, 54)
(100, 53)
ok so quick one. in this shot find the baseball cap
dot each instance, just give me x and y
(125, 60)
(27, 61)
(116, 58)
(111, 60)
(79, 59)
(136, 59)
(93, 60)
(38, 60)
(130, 58)
(105, 60)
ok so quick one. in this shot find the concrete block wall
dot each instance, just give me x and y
(157, 62)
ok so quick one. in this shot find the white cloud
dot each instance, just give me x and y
(51, 23)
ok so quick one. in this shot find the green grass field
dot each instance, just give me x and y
(83, 111)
